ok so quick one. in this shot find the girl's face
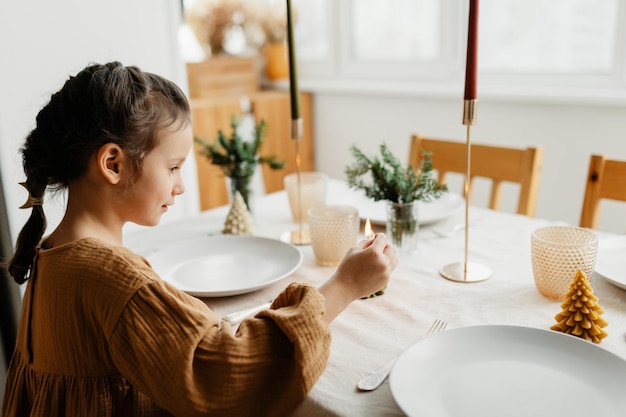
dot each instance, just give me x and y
(160, 178)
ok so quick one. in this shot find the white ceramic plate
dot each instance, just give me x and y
(445, 206)
(219, 266)
(611, 260)
(496, 371)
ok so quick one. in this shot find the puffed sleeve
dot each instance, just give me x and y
(171, 347)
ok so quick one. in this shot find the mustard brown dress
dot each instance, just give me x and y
(101, 334)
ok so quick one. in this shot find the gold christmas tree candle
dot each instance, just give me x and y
(581, 314)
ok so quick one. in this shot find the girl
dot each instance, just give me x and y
(100, 333)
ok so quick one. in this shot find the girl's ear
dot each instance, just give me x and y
(111, 162)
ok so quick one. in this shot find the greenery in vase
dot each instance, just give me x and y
(238, 158)
(385, 178)
(402, 224)
(390, 180)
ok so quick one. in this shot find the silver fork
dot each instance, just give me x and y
(373, 380)
(237, 317)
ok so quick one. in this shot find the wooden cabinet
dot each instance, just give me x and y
(210, 114)
(223, 75)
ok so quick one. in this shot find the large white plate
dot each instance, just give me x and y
(496, 371)
(445, 206)
(218, 266)
(611, 260)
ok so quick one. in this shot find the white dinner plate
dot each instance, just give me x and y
(219, 266)
(611, 260)
(427, 213)
(496, 371)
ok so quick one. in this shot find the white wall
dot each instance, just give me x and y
(570, 133)
(42, 42)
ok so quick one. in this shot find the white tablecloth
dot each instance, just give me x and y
(371, 332)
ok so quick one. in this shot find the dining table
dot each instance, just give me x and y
(372, 331)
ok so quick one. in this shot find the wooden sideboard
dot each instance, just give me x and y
(210, 114)
(223, 75)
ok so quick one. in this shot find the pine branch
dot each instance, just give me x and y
(385, 178)
(236, 157)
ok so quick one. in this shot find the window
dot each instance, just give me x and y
(368, 38)
(537, 42)
(555, 36)
(522, 44)
(313, 29)
(403, 30)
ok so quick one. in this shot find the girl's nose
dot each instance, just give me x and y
(178, 188)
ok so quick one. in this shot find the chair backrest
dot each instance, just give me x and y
(606, 180)
(497, 163)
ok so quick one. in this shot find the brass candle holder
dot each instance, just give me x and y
(467, 271)
(301, 236)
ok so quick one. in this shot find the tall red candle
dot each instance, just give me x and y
(472, 52)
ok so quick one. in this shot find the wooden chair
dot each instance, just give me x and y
(606, 180)
(500, 164)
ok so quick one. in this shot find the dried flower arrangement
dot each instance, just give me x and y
(261, 22)
(211, 20)
(266, 23)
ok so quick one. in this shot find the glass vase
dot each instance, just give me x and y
(402, 226)
(243, 185)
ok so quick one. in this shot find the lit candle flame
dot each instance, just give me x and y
(369, 234)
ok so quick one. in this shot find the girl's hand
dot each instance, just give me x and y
(365, 269)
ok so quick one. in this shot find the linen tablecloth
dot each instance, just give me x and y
(372, 331)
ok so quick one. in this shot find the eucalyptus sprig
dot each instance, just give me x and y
(236, 157)
(385, 178)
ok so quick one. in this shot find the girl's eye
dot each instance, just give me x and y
(172, 169)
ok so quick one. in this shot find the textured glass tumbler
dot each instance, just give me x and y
(312, 193)
(557, 253)
(334, 230)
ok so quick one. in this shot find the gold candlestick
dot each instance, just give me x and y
(302, 235)
(466, 271)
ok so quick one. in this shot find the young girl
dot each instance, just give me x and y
(100, 333)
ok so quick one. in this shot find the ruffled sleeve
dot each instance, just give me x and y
(172, 348)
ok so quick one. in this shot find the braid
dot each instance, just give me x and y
(33, 230)
(27, 241)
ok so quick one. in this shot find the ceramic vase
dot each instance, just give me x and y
(276, 61)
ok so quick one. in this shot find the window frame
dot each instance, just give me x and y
(444, 77)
